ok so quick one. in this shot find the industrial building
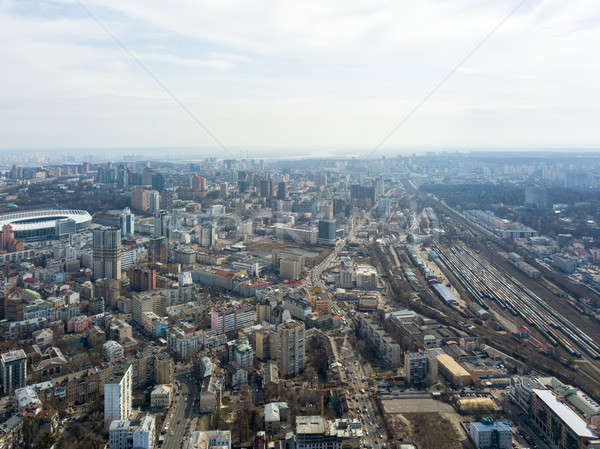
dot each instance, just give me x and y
(453, 371)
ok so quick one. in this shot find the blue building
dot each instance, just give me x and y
(490, 434)
(327, 232)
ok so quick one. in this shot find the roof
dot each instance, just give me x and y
(444, 292)
(572, 420)
(119, 424)
(452, 365)
(310, 424)
(272, 412)
(42, 219)
(11, 356)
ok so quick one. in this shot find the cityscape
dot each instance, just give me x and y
(299, 224)
(442, 300)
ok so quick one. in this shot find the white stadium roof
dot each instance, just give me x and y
(42, 219)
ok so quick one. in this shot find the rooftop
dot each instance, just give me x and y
(571, 419)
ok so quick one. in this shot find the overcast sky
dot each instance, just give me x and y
(299, 74)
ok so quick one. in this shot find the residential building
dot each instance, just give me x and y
(14, 370)
(118, 394)
(291, 348)
(107, 253)
(232, 319)
(127, 223)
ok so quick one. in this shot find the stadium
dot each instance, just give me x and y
(45, 224)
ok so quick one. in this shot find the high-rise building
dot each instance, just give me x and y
(224, 190)
(198, 183)
(208, 235)
(153, 202)
(282, 192)
(127, 223)
(162, 223)
(266, 188)
(123, 178)
(107, 253)
(291, 349)
(140, 200)
(537, 198)
(118, 394)
(158, 250)
(142, 279)
(327, 232)
(14, 370)
(159, 181)
(420, 367)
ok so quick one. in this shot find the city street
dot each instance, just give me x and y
(180, 413)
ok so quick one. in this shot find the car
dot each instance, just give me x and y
(172, 433)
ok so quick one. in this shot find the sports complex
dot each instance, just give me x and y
(45, 224)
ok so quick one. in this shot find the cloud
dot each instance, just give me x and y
(306, 73)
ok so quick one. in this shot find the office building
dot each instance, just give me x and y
(118, 394)
(282, 191)
(489, 434)
(14, 370)
(266, 188)
(107, 253)
(291, 348)
(327, 232)
(127, 223)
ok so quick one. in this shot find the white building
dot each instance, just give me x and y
(119, 434)
(117, 395)
(144, 434)
(209, 439)
(127, 223)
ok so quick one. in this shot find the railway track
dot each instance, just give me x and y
(485, 283)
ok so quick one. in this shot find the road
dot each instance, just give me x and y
(181, 411)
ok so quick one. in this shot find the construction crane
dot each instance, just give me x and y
(322, 390)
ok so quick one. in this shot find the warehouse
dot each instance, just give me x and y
(452, 371)
(445, 294)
